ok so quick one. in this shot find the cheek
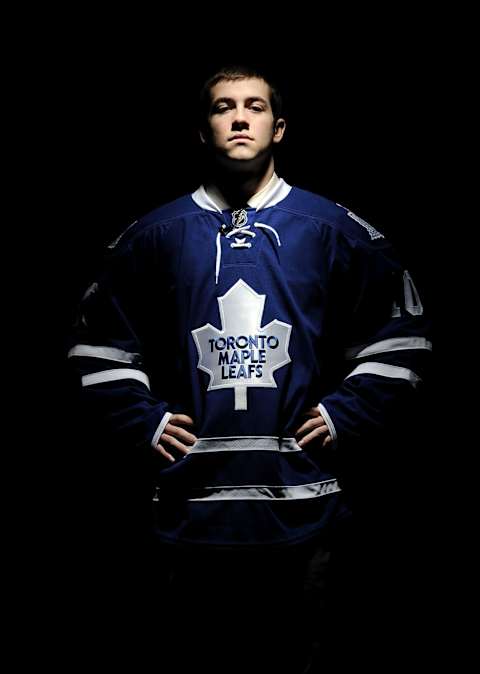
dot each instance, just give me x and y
(266, 132)
(219, 131)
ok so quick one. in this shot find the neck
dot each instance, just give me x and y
(239, 187)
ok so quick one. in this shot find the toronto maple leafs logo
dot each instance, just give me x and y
(243, 353)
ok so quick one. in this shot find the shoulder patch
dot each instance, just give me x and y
(374, 234)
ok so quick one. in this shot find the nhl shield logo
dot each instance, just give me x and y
(239, 217)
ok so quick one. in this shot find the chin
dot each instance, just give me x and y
(239, 162)
(240, 151)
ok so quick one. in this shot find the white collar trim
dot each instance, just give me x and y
(274, 191)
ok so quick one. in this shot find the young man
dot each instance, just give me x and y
(250, 336)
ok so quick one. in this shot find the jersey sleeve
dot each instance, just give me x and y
(385, 341)
(107, 351)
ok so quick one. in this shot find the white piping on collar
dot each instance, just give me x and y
(274, 191)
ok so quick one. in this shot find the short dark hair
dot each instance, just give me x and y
(237, 72)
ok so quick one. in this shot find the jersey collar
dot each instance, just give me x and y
(209, 197)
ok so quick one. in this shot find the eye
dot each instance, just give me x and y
(256, 108)
(218, 109)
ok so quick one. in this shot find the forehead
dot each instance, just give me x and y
(241, 89)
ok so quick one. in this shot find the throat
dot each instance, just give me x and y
(237, 189)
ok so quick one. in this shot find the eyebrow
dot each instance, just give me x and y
(249, 99)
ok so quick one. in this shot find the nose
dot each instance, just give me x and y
(239, 121)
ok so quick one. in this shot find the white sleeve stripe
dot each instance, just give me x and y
(104, 352)
(391, 371)
(114, 375)
(396, 344)
(160, 429)
(329, 422)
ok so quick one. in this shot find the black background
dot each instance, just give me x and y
(113, 136)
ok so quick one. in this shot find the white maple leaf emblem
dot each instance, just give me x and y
(243, 353)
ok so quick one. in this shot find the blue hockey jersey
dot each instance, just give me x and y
(243, 319)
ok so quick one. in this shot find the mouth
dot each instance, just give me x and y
(240, 137)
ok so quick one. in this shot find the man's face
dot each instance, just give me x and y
(241, 120)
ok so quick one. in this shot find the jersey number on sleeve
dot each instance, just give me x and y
(413, 304)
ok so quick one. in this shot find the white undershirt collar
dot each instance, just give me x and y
(211, 199)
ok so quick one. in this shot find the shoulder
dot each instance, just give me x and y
(154, 221)
(334, 216)
(179, 208)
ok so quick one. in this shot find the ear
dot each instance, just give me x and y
(279, 130)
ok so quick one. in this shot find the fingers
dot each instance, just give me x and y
(159, 448)
(314, 428)
(175, 436)
(316, 433)
(311, 423)
(173, 442)
(180, 433)
(181, 419)
(170, 440)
